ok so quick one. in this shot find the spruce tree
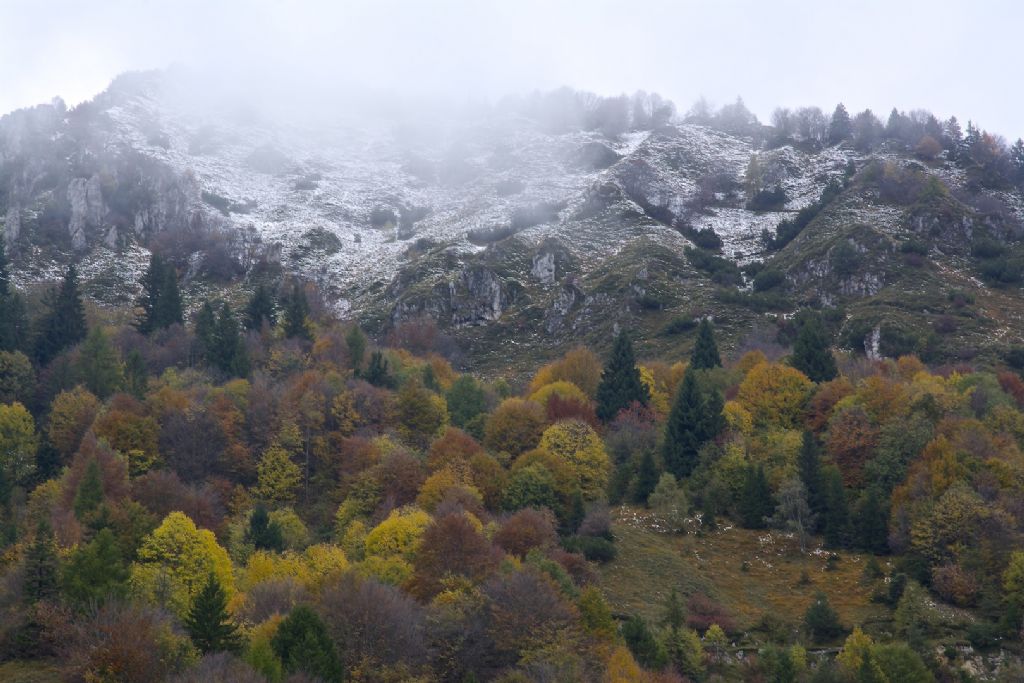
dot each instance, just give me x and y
(160, 300)
(377, 371)
(836, 521)
(228, 353)
(208, 623)
(620, 384)
(95, 571)
(647, 476)
(99, 365)
(303, 645)
(206, 332)
(812, 354)
(355, 340)
(705, 352)
(260, 309)
(90, 492)
(136, 375)
(809, 466)
(675, 616)
(262, 533)
(695, 418)
(41, 566)
(296, 314)
(755, 504)
(872, 522)
(13, 320)
(839, 127)
(63, 324)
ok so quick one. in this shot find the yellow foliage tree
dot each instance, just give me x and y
(278, 478)
(399, 534)
(622, 668)
(581, 366)
(775, 395)
(578, 444)
(562, 389)
(175, 561)
(858, 645)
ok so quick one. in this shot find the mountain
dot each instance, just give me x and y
(524, 227)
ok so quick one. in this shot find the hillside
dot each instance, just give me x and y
(527, 226)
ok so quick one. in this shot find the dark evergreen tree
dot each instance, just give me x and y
(95, 571)
(649, 653)
(812, 354)
(466, 399)
(355, 340)
(136, 375)
(647, 476)
(228, 353)
(42, 566)
(872, 522)
(90, 492)
(99, 364)
(821, 621)
(675, 616)
(160, 300)
(377, 371)
(263, 533)
(296, 314)
(809, 467)
(63, 324)
(206, 332)
(208, 623)
(574, 513)
(840, 127)
(705, 351)
(755, 505)
(620, 383)
(696, 418)
(303, 645)
(836, 521)
(13, 320)
(260, 309)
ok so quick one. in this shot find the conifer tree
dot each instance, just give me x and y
(160, 300)
(377, 371)
(136, 375)
(755, 504)
(675, 616)
(260, 309)
(263, 533)
(303, 645)
(695, 418)
(99, 365)
(839, 128)
(208, 623)
(355, 340)
(809, 467)
(620, 384)
(705, 352)
(41, 566)
(647, 476)
(811, 353)
(13, 319)
(229, 353)
(206, 331)
(296, 314)
(872, 522)
(90, 492)
(63, 324)
(836, 521)
(95, 571)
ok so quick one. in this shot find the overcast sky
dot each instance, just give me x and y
(948, 56)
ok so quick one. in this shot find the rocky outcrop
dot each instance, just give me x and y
(474, 295)
(544, 267)
(86, 199)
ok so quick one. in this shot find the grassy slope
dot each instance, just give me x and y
(650, 563)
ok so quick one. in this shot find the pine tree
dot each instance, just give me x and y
(674, 617)
(160, 300)
(755, 503)
(63, 324)
(695, 418)
(296, 314)
(208, 623)
(647, 476)
(42, 566)
(260, 309)
(95, 571)
(206, 331)
(809, 466)
(872, 522)
(136, 375)
(836, 520)
(355, 340)
(377, 371)
(705, 351)
(99, 365)
(90, 492)
(821, 621)
(812, 354)
(263, 533)
(839, 128)
(620, 384)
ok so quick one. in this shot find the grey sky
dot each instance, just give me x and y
(948, 56)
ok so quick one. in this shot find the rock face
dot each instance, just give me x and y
(86, 199)
(474, 295)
